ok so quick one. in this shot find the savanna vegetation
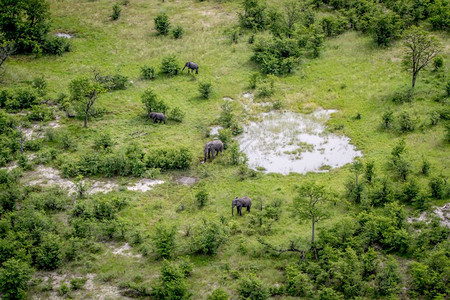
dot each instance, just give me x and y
(81, 82)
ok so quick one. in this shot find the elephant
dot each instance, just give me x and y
(239, 203)
(191, 66)
(157, 117)
(212, 148)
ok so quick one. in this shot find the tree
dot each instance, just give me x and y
(421, 48)
(84, 92)
(164, 240)
(14, 277)
(310, 203)
(162, 24)
(26, 22)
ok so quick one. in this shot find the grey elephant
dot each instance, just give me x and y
(157, 117)
(191, 67)
(212, 148)
(239, 203)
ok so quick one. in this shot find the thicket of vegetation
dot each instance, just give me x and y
(345, 234)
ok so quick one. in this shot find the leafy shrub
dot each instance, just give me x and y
(152, 103)
(254, 14)
(77, 283)
(56, 45)
(48, 256)
(218, 294)
(40, 85)
(170, 65)
(112, 82)
(148, 72)
(164, 240)
(404, 96)
(406, 123)
(172, 284)
(438, 187)
(434, 118)
(333, 25)
(116, 9)
(266, 87)
(5, 95)
(103, 142)
(209, 237)
(385, 27)
(388, 278)
(438, 63)
(162, 24)
(169, 158)
(14, 277)
(205, 89)
(26, 98)
(251, 287)
(178, 32)
(177, 114)
(298, 283)
(40, 113)
(202, 198)
(276, 56)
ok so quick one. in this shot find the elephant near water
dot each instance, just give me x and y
(212, 148)
(157, 117)
(239, 203)
(191, 67)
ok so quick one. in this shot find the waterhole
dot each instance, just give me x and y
(285, 142)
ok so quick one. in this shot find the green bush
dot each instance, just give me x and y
(14, 277)
(148, 72)
(172, 284)
(116, 9)
(178, 32)
(40, 113)
(169, 158)
(202, 198)
(298, 283)
(266, 87)
(56, 45)
(254, 15)
(112, 82)
(162, 24)
(251, 287)
(164, 240)
(218, 294)
(26, 98)
(25, 23)
(103, 142)
(205, 89)
(438, 63)
(403, 96)
(152, 103)
(48, 256)
(170, 65)
(438, 187)
(276, 56)
(406, 123)
(208, 237)
(388, 278)
(40, 85)
(176, 114)
(77, 283)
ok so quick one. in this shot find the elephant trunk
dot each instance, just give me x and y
(232, 209)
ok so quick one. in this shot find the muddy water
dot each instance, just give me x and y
(285, 142)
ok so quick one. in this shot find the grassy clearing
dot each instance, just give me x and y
(350, 75)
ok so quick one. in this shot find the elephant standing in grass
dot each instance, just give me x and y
(212, 148)
(191, 66)
(157, 117)
(239, 203)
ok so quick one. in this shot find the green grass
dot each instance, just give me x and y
(350, 75)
